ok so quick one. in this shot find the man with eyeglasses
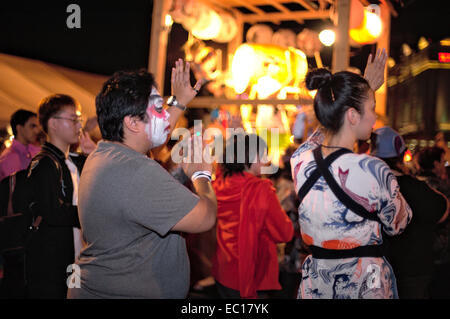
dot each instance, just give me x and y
(53, 181)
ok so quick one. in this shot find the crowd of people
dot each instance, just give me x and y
(86, 220)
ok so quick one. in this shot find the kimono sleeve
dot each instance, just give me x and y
(394, 212)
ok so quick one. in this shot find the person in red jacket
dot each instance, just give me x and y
(250, 222)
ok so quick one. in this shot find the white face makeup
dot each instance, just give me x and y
(158, 126)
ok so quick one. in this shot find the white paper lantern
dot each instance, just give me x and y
(284, 38)
(308, 41)
(228, 30)
(210, 29)
(259, 33)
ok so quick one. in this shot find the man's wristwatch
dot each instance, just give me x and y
(172, 101)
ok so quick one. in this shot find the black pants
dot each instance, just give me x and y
(13, 283)
(228, 293)
(414, 287)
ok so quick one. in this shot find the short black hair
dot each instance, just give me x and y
(232, 156)
(52, 105)
(336, 93)
(428, 156)
(126, 93)
(20, 117)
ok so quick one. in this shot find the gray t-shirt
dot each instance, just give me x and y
(127, 206)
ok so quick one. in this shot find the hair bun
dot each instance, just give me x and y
(318, 78)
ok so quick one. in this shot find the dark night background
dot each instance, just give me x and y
(115, 35)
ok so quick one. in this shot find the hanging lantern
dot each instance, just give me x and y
(308, 41)
(183, 12)
(207, 25)
(177, 11)
(284, 38)
(259, 33)
(370, 29)
(356, 14)
(257, 62)
(228, 30)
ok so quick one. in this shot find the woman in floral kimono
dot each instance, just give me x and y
(347, 200)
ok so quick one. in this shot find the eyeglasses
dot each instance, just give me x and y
(74, 121)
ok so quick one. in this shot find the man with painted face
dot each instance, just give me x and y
(130, 208)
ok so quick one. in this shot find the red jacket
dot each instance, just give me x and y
(250, 221)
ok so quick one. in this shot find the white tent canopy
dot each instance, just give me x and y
(24, 82)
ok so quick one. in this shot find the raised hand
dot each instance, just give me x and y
(374, 72)
(87, 145)
(181, 85)
(195, 160)
(91, 124)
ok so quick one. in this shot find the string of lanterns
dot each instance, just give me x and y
(202, 21)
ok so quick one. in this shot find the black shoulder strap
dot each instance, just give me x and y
(337, 190)
(12, 186)
(43, 154)
(315, 175)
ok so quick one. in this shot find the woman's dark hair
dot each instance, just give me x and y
(240, 152)
(428, 156)
(51, 106)
(124, 94)
(20, 117)
(336, 93)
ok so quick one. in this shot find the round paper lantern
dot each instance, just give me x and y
(308, 41)
(176, 10)
(356, 14)
(183, 11)
(284, 38)
(259, 33)
(196, 17)
(228, 30)
(207, 25)
(369, 31)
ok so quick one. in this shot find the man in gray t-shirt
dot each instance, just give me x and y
(130, 208)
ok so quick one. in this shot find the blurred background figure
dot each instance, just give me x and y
(433, 171)
(25, 128)
(411, 253)
(250, 221)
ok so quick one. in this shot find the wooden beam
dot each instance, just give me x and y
(383, 42)
(238, 39)
(291, 16)
(278, 6)
(218, 4)
(158, 42)
(307, 4)
(213, 102)
(250, 7)
(341, 45)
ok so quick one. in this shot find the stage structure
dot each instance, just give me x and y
(264, 77)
